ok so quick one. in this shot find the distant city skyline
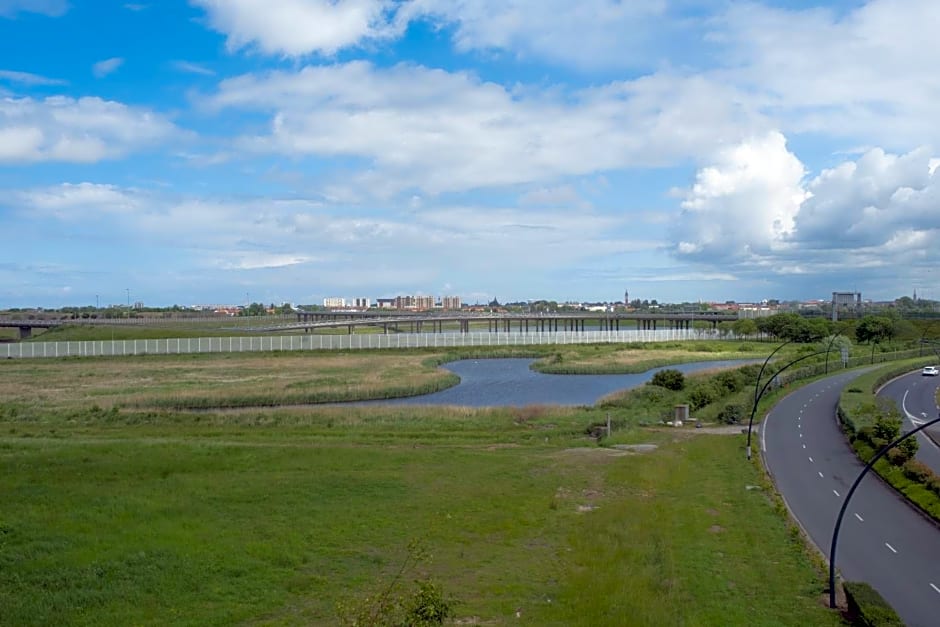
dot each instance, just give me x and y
(197, 150)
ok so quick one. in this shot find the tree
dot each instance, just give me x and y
(744, 327)
(874, 329)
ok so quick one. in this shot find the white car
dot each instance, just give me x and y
(930, 371)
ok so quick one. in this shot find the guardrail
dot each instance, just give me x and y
(183, 346)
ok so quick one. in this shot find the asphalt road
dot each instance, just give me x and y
(916, 396)
(883, 540)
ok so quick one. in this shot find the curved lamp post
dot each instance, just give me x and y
(828, 347)
(848, 497)
(750, 422)
(764, 365)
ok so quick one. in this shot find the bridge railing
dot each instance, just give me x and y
(301, 342)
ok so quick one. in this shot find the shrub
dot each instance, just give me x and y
(729, 381)
(865, 434)
(917, 471)
(731, 414)
(909, 446)
(701, 395)
(896, 457)
(868, 607)
(669, 379)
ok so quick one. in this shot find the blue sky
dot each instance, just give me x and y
(213, 151)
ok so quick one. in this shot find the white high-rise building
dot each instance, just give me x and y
(334, 302)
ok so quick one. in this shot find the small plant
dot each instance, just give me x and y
(395, 606)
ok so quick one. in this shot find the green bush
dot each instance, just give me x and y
(867, 607)
(729, 381)
(669, 379)
(701, 395)
(731, 414)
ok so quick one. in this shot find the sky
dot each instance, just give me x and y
(227, 151)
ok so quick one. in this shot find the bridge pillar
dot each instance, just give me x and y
(26, 333)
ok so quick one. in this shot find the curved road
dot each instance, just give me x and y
(916, 396)
(883, 540)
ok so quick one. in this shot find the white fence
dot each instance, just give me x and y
(117, 348)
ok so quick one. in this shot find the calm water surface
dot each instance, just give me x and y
(510, 382)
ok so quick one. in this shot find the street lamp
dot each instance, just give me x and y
(848, 496)
(750, 422)
(833, 339)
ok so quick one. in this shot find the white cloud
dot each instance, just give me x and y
(295, 28)
(876, 201)
(875, 218)
(587, 33)
(452, 131)
(107, 66)
(743, 204)
(193, 68)
(338, 243)
(83, 131)
(257, 260)
(27, 78)
(868, 74)
(52, 8)
(79, 201)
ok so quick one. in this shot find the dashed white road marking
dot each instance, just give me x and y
(801, 435)
(860, 519)
(935, 588)
(837, 494)
(811, 460)
(893, 550)
(820, 475)
(804, 446)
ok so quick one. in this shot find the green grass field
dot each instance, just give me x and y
(199, 524)
(116, 514)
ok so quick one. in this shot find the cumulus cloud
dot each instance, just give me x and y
(52, 8)
(452, 131)
(85, 130)
(755, 212)
(880, 200)
(745, 203)
(107, 66)
(295, 28)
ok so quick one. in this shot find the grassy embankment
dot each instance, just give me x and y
(117, 517)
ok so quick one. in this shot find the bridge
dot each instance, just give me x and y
(397, 321)
(497, 322)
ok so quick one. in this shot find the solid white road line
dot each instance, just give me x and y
(893, 550)
(860, 519)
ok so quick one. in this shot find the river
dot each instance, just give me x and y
(511, 383)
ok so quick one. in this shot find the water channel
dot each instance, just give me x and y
(511, 383)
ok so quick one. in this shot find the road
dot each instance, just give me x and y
(916, 396)
(883, 540)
